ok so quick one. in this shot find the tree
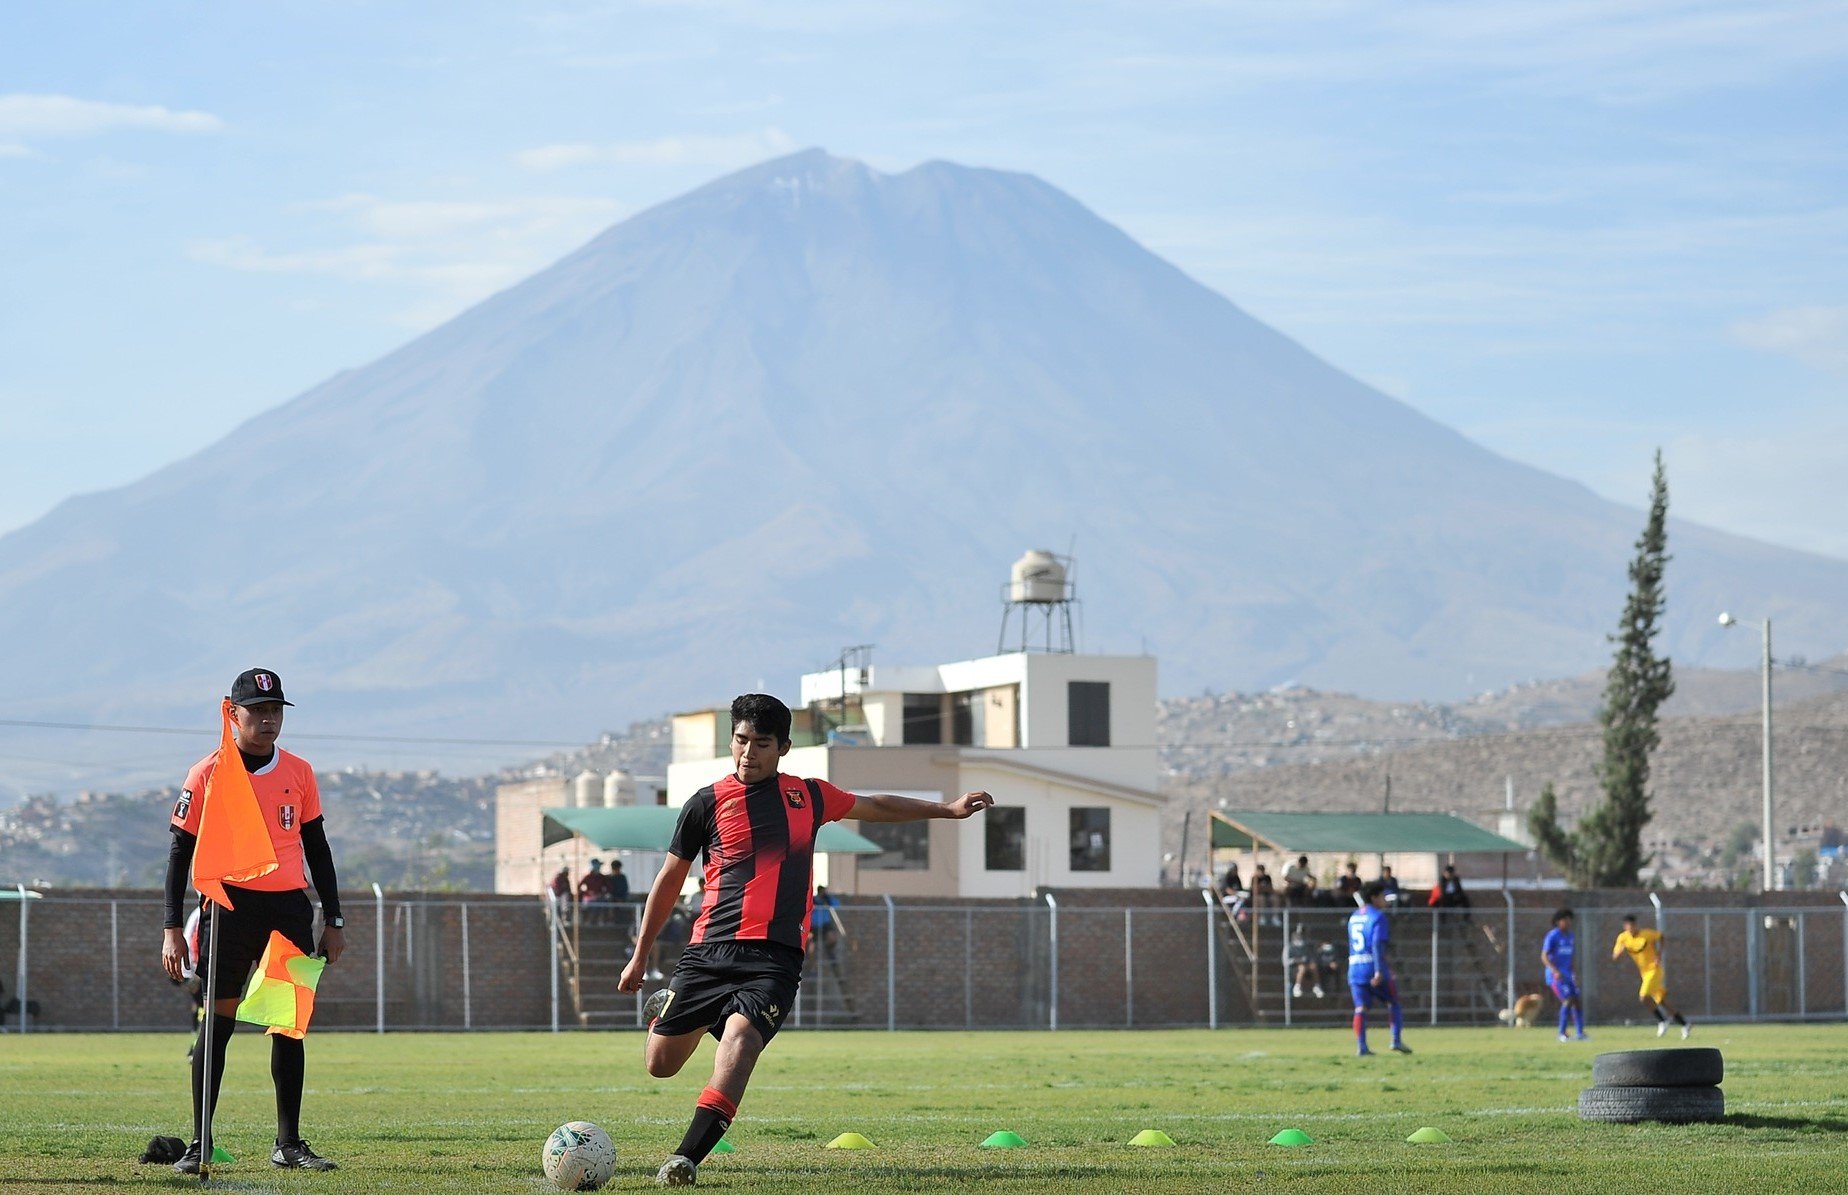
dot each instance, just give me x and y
(1605, 850)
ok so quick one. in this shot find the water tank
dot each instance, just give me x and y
(616, 790)
(587, 790)
(1038, 577)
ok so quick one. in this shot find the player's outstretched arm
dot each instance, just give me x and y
(662, 896)
(886, 807)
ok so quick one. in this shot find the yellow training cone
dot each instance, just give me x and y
(850, 1141)
(1429, 1136)
(1151, 1137)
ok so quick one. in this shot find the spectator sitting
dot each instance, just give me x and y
(1448, 892)
(1263, 891)
(1232, 893)
(593, 889)
(1330, 960)
(1300, 961)
(1297, 881)
(1389, 884)
(1347, 885)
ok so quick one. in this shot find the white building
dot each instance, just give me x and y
(1065, 742)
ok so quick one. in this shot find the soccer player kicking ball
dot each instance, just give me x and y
(1556, 952)
(738, 975)
(1369, 977)
(1645, 949)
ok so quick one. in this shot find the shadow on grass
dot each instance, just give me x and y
(1796, 1124)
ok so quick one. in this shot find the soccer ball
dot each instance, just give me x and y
(579, 1156)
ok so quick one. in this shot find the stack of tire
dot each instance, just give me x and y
(1674, 1086)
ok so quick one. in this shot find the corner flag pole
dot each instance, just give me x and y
(205, 1079)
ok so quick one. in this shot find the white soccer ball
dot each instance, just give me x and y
(579, 1156)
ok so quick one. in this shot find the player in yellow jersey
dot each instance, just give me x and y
(1644, 947)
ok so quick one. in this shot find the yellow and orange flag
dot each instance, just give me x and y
(281, 990)
(234, 845)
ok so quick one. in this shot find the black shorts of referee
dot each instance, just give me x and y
(244, 931)
(713, 980)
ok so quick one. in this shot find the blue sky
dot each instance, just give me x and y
(1572, 231)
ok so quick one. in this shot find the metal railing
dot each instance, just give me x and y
(462, 962)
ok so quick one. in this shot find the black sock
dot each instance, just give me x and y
(708, 1126)
(1659, 1014)
(220, 1028)
(287, 1067)
(1680, 1020)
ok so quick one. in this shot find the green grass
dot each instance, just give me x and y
(423, 1113)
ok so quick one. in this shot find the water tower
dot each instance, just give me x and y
(1040, 592)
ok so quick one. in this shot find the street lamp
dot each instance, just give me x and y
(1727, 620)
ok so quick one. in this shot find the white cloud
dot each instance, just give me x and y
(1817, 336)
(24, 115)
(441, 254)
(695, 149)
(504, 219)
(1784, 486)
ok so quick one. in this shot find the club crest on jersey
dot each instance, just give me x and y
(286, 815)
(265, 681)
(183, 806)
(794, 796)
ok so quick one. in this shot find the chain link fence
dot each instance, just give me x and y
(91, 961)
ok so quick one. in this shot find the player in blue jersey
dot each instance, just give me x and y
(1369, 977)
(1556, 952)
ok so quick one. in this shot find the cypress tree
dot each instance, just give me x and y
(1606, 849)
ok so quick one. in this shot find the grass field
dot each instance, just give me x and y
(423, 1113)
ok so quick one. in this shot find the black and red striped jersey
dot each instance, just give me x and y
(759, 843)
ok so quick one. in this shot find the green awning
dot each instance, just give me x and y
(1356, 833)
(651, 828)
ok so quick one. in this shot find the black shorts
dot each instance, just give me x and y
(243, 933)
(713, 980)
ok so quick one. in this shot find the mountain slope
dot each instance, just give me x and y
(808, 405)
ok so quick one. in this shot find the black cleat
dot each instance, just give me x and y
(189, 1161)
(655, 1005)
(1400, 1047)
(298, 1156)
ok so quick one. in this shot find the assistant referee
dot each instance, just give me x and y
(290, 802)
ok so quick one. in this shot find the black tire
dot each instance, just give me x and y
(1696, 1066)
(1672, 1105)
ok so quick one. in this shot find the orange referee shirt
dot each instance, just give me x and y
(287, 795)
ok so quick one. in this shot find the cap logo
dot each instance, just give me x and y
(265, 681)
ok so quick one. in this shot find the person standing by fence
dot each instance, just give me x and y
(1369, 974)
(1556, 953)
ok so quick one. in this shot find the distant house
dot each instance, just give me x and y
(1065, 742)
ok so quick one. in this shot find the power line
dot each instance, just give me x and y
(346, 738)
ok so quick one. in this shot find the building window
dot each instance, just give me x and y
(1091, 839)
(1005, 827)
(907, 846)
(969, 719)
(1087, 704)
(923, 718)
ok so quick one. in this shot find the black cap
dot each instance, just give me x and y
(257, 686)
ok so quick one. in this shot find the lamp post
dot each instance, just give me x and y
(1727, 620)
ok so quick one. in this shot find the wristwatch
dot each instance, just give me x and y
(336, 923)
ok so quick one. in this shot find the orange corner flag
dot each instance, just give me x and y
(233, 843)
(281, 990)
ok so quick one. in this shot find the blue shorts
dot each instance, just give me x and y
(1565, 987)
(1366, 995)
